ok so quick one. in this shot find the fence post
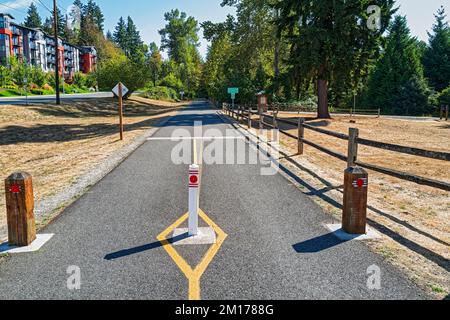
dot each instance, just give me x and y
(249, 117)
(446, 113)
(352, 147)
(275, 118)
(301, 135)
(20, 209)
(261, 126)
(379, 112)
(354, 212)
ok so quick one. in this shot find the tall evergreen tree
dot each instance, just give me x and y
(120, 35)
(134, 43)
(397, 84)
(333, 42)
(49, 26)
(155, 62)
(93, 12)
(33, 19)
(109, 36)
(436, 59)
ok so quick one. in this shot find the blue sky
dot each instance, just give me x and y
(149, 14)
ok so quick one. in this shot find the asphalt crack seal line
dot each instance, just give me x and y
(193, 275)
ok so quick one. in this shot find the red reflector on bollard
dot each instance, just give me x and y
(360, 183)
(15, 188)
(193, 179)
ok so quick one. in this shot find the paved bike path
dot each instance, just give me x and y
(276, 245)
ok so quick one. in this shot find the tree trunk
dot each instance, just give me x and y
(322, 93)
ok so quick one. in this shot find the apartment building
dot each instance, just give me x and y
(39, 49)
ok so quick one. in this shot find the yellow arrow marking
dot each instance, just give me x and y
(193, 275)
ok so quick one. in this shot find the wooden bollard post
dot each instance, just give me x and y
(352, 147)
(301, 135)
(20, 209)
(354, 215)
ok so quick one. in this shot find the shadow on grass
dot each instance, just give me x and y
(107, 107)
(43, 133)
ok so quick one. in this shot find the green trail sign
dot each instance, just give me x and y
(233, 91)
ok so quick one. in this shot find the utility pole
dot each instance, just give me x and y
(55, 27)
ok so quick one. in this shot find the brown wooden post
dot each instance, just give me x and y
(20, 209)
(354, 215)
(301, 135)
(275, 118)
(352, 147)
(446, 113)
(121, 110)
(261, 126)
(249, 117)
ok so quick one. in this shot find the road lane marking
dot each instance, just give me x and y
(177, 139)
(193, 275)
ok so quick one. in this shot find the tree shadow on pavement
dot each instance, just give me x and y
(146, 247)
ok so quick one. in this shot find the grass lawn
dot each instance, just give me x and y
(415, 220)
(58, 144)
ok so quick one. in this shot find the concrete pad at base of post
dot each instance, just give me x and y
(36, 245)
(204, 236)
(337, 230)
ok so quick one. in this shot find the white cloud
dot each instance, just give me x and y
(17, 4)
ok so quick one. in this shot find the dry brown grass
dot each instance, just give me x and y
(415, 220)
(58, 144)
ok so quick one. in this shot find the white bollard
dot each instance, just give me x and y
(194, 182)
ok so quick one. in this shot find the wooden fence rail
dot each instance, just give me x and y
(353, 140)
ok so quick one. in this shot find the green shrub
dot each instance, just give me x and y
(161, 93)
(133, 75)
(38, 92)
(79, 79)
(37, 76)
(444, 97)
(10, 93)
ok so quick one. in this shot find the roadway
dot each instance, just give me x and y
(276, 246)
(51, 98)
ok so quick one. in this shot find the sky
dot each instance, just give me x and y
(149, 14)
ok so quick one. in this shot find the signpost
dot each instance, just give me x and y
(120, 90)
(233, 92)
